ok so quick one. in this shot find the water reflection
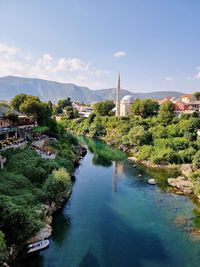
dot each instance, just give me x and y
(101, 161)
(61, 227)
(103, 154)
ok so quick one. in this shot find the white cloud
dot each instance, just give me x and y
(169, 78)
(119, 54)
(7, 51)
(197, 76)
(17, 62)
(100, 73)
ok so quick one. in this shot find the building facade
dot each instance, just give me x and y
(125, 105)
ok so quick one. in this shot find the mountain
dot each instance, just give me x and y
(50, 90)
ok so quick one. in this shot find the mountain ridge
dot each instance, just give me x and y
(54, 91)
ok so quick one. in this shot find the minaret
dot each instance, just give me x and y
(117, 113)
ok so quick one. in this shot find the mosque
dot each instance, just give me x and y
(123, 107)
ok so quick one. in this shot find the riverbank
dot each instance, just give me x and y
(30, 195)
(153, 145)
(49, 209)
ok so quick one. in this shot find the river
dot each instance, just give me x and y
(115, 218)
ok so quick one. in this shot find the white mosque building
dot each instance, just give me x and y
(123, 107)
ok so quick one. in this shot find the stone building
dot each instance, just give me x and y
(125, 105)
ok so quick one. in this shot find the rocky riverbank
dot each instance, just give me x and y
(50, 208)
(183, 184)
(46, 210)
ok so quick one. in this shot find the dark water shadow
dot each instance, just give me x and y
(61, 226)
(89, 260)
(125, 246)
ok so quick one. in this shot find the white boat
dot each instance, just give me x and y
(134, 166)
(37, 246)
(152, 181)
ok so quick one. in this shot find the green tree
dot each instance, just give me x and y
(196, 159)
(57, 185)
(145, 107)
(137, 136)
(13, 117)
(166, 112)
(158, 131)
(63, 103)
(18, 100)
(197, 95)
(70, 113)
(103, 108)
(38, 110)
(193, 124)
(3, 249)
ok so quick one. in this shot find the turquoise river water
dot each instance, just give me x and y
(115, 219)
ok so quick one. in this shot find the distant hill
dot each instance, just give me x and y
(50, 90)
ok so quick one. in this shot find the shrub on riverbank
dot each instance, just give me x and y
(26, 182)
(58, 185)
(173, 140)
(3, 249)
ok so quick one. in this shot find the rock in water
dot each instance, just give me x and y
(182, 183)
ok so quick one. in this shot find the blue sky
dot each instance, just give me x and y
(155, 44)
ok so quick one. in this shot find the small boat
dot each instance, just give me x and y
(152, 181)
(134, 166)
(37, 246)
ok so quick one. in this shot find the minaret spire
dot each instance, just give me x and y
(117, 113)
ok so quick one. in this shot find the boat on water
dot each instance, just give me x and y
(134, 166)
(152, 181)
(38, 246)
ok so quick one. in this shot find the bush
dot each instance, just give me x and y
(58, 185)
(145, 152)
(3, 249)
(19, 222)
(163, 156)
(196, 159)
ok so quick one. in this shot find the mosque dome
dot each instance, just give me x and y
(127, 99)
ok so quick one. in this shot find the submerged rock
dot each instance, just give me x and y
(181, 183)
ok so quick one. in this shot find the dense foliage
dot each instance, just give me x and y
(3, 249)
(26, 182)
(145, 107)
(160, 139)
(63, 103)
(103, 108)
(40, 111)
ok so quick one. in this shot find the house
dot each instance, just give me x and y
(83, 110)
(13, 127)
(187, 104)
(188, 98)
(180, 106)
(4, 121)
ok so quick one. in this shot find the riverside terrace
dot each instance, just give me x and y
(14, 127)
